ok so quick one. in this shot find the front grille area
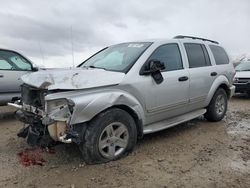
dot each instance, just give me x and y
(33, 96)
(243, 80)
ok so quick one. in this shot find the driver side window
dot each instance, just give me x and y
(170, 55)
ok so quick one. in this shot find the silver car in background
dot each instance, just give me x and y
(13, 65)
(125, 91)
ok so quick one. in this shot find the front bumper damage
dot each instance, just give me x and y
(45, 129)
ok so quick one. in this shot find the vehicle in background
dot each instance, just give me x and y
(13, 65)
(125, 91)
(242, 77)
(242, 59)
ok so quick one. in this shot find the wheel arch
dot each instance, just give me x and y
(134, 115)
(219, 82)
(88, 107)
(130, 111)
(226, 88)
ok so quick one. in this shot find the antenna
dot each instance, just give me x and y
(72, 46)
(41, 52)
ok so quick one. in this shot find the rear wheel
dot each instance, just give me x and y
(109, 136)
(217, 108)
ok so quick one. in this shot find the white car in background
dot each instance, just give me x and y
(13, 65)
(242, 77)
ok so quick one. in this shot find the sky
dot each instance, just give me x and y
(63, 33)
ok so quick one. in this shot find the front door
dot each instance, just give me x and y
(169, 98)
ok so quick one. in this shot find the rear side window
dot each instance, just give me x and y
(197, 55)
(220, 55)
(170, 55)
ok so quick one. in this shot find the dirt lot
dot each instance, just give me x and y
(193, 154)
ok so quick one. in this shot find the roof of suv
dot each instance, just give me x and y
(195, 38)
(184, 38)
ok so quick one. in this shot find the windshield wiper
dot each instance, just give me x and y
(94, 67)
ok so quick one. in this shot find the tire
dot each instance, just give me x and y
(217, 108)
(109, 136)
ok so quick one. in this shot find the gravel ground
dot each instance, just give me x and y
(194, 154)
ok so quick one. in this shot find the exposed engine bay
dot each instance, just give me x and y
(45, 122)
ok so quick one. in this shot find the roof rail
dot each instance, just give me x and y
(191, 37)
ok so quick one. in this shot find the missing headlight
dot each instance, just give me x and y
(59, 109)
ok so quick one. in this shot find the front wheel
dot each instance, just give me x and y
(109, 136)
(217, 108)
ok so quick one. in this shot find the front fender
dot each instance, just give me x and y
(216, 84)
(89, 105)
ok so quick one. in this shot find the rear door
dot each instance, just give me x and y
(202, 74)
(12, 67)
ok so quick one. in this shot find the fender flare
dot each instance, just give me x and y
(218, 82)
(88, 106)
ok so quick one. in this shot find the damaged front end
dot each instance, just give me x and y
(45, 122)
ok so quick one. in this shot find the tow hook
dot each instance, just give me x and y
(64, 139)
(69, 137)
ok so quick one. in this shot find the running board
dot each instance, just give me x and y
(158, 126)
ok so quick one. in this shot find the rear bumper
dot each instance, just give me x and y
(242, 87)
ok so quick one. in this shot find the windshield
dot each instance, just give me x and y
(243, 66)
(120, 57)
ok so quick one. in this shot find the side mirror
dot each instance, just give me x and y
(153, 68)
(34, 67)
(155, 65)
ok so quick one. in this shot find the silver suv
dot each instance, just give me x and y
(125, 91)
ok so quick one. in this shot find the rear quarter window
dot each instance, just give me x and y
(219, 54)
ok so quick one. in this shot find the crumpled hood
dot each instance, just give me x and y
(242, 74)
(76, 78)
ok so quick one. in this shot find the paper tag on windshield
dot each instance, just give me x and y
(135, 45)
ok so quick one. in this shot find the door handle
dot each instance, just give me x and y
(183, 78)
(213, 74)
(1, 76)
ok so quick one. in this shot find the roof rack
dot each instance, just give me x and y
(191, 37)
